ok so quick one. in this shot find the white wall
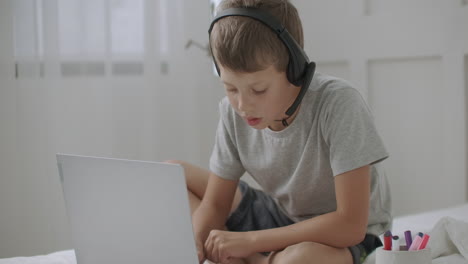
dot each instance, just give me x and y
(394, 51)
(466, 115)
(10, 205)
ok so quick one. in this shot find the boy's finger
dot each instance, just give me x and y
(200, 253)
(201, 257)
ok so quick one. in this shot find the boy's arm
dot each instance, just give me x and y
(214, 208)
(342, 228)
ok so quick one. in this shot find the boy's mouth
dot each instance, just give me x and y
(252, 121)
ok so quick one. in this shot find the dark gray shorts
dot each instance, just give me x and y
(258, 211)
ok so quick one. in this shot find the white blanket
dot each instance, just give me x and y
(61, 257)
(449, 241)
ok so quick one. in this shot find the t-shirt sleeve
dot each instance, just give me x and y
(350, 132)
(224, 160)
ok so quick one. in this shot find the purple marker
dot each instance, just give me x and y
(409, 239)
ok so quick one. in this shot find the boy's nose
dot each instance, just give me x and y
(243, 105)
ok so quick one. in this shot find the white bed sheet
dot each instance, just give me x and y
(423, 222)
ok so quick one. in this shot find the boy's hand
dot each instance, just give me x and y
(221, 246)
(200, 251)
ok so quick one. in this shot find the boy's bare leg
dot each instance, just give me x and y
(197, 181)
(310, 253)
(257, 259)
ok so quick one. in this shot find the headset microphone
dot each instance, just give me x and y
(310, 70)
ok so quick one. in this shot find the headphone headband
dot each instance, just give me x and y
(254, 13)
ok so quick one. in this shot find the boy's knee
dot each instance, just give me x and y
(187, 166)
(179, 162)
(175, 162)
(196, 177)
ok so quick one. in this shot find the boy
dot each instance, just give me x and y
(324, 198)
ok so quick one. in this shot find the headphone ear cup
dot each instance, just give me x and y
(293, 74)
(290, 73)
(304, 83)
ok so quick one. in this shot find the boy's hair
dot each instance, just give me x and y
(243, 44)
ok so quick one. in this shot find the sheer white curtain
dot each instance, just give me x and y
(95, 77)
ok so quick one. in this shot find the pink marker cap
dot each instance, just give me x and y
(424, 241)
(416, 242)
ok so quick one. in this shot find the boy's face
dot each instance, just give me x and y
(260, 98)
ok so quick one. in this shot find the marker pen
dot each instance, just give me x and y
(420, 234)
(408, 239)
(424, 241)
(388, 240)
(396, 243)
(416, 242)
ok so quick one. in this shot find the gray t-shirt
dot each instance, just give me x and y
(333, 133)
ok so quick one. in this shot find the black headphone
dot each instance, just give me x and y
(300, 70)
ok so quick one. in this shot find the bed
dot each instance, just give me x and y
(423, 222)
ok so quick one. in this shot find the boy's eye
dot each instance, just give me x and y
(260, 92)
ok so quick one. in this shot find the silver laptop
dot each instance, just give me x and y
(126, 211)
